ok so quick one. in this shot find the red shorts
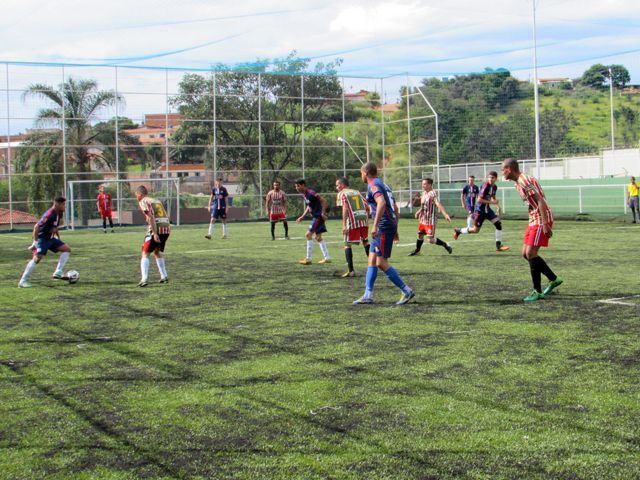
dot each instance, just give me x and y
(534, 236)
(354, 235)
(428, 230)
(150, 245)
(105, 213)
(274, 217)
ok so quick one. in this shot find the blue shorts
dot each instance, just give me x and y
(44, 245)
(383, 243)
(481, 216)
(317, 226)
(219, 213)
(469, 208)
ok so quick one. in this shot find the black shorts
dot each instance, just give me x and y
(150, 245)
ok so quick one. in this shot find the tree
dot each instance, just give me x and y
(597, 76)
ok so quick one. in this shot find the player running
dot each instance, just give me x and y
(317, 206)
(103, 202)
(384, 230)
(218, 208)
(276, 204)
(538, 231)
(483, 211)
(46, 237)
(428, 218)
(354, 221)
(468, 198)
(157, 235)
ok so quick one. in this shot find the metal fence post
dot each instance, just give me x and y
(580, 198)
(8, 157)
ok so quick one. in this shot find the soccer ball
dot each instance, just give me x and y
(73, 276)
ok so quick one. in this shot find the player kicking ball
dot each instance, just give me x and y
(317, 206)
(157, 235)
(45, 238)
(355, 227)
(384, 230)
(428, 218)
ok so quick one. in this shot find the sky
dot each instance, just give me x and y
(401, 40)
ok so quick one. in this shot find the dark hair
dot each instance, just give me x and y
(493, 173)
(370, 168)
(428, 180)
(60, 200)
(511, 163)
(472, 176)
(344, 181)
(219, 179)
(142, 190)
(301, 181)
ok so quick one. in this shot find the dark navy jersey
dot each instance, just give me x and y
(312, 200)
(487, 192)
(375, 189)
(470, 193)
(48, 223)
(220, 195)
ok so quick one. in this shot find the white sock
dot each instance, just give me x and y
(162, 268)
(224, 229)
(27, 271)
(498, 235)
(464, 231)
(470, 221)
(309, 248)
(324, 249)
(144, 268)
(211, 228)
(64, 256)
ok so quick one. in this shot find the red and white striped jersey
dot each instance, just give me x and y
(277, 201)
(154, 208)
(355, 205)
(428, 214)
(527, 187)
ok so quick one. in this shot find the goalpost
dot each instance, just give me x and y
(166, 190)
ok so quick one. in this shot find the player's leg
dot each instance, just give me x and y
(419, 241)
(309, 236)
(148, 246)
(28, 270)
(432, 239)
(273, 229)
(104, 223)
(322, 243)
(286, 229)
(392, 274)
(65, 252)
(348, 255)
(111, 222)
(223, 219)
(495, 219)
(212, 223)
(534, 239)
(162, 267)
(478, 219)
(469, 219)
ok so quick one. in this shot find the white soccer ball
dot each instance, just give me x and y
(73, 276)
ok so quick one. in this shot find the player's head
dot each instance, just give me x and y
(301, 185)
(59, 203)
(341, 183)
(427, 184)
(633, 179)
(510, 169)
(472, 179)
(367, 171)
(276, 186)
(219, 182)
(141, 192)
(492, 177)
(101, 188)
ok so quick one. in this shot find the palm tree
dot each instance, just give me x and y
(76, 104)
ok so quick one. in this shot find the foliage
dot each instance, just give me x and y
(597, 76)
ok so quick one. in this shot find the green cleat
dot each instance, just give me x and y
(552, 285)
(533, 296)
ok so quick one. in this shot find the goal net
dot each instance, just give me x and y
(82, 210)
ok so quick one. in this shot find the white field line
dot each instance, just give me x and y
(617, 301)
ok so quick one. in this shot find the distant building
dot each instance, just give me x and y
(554, 82)
(631, 90)
(356, 97)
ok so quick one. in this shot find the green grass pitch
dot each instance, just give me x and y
(248, 365)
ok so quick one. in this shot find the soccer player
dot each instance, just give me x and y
(483, 211)
(354, 221)
(218, 208)
(277, 209)
(538, 231)
(384, 230)
(429, 217)
(632, 195)
(468, 199)
(317, 206)
(103, 202)
(45, 236)
(157, 235)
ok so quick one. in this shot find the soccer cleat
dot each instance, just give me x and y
(448, 248)
(164, 280)
(113, 231)
(58, 276)
(273, 238)
(415, 253)
(286, 237)
(24, 285)
(104, 230)
(502, 248)
(456, 233)
(533, 296)
(363, 301)
(324, 260)
(405, 298)
(143, 283)
(348, 274)
(208, 237)
(552, 285)
(305, 261)
(224, 237)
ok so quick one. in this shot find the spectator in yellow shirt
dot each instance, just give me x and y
(632, 198)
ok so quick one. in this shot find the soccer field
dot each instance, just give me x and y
(248, 365)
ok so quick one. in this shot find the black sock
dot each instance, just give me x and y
(104, 223)
(536, 277)
(440, 242)
(498, 244)
(366, 249)
(286, 228)
(110, 223)
(348, 253)
(419, 243)
(273, 229)
(543, 268)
